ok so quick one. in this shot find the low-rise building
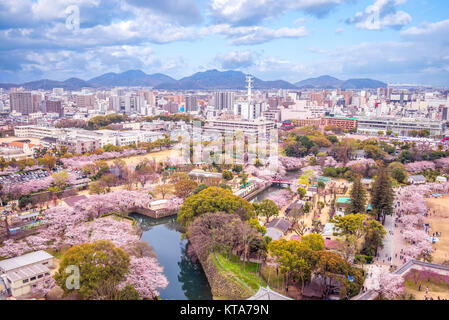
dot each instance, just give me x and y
(416, 179)
(400, 126)
(22, 274)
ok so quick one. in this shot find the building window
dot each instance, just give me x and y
(25, 281)
(32, 278)
(40, 276)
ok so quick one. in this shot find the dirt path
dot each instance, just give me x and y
(439, 222)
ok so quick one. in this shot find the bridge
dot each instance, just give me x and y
(282, 181)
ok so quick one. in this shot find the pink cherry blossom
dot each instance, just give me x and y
(145, 275)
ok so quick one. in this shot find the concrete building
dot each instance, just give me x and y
(32, 131)
(21, 102)
(53, 106)
(22, 274)
(224, 100)
(191, 104)
(401, 126)
(85, 100)
(342, 122)
(259, 127)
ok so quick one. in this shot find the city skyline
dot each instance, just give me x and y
(289, 40)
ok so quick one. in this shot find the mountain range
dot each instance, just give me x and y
(207, 80)
(328, 82)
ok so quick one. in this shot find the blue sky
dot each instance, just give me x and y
(396, 41)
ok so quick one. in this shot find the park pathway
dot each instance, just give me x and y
(387, 253)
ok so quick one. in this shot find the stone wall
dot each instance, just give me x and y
(222, 285)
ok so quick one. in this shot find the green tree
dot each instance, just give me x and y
(374, 236)
(183, 188)
(101, 268)
(350, 225)
(397, 171)
(200, 188)
(60, 179)
(313, 241)
(243, 178)
(254, 222)
(307, 207)
(358, 197)
(213, 199)
(382, 195)
(301, 192)
(227, 175)
(96, 188)
(49, 161)
(163, 189)
(292, 257)
(128, 293)
(266, 208)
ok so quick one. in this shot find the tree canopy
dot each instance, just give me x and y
(101, 267)
(213, 199)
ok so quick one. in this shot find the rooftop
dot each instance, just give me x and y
(25, 260)
(27, 272)
(344, 200)
(268, 294)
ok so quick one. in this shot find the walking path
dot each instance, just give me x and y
(387, 253)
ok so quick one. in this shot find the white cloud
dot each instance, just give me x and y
(252, 35)
(381, 14)
(436, 32)
(252, 12)
(235, 59)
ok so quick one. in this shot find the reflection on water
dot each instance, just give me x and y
(290, 175)
(187, 280)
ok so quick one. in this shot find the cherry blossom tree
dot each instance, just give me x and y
(292, 163)
(388, 285)
(281, 197)
(420, 166)
(146, 276)
(362, 162)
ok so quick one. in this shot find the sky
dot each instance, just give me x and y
(396, 41)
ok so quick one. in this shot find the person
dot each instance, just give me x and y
(419, 288)
(427, 290)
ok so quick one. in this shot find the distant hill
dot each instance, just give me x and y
(125, 79)
(130, 78)
(323, 82)
(328, 82)
(207, 80)
(214, 79)
(363, 84)
(46, 84)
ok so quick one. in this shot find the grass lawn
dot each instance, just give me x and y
(247, 277)
(439, 221)
(274, 281)
(438, 285)
(435, 290)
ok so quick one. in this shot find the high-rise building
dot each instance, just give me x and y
(444, 113)
(191, 104)
(171, 107)
(85, 100)
(53, 106)
(21, 102)
(223, 100)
